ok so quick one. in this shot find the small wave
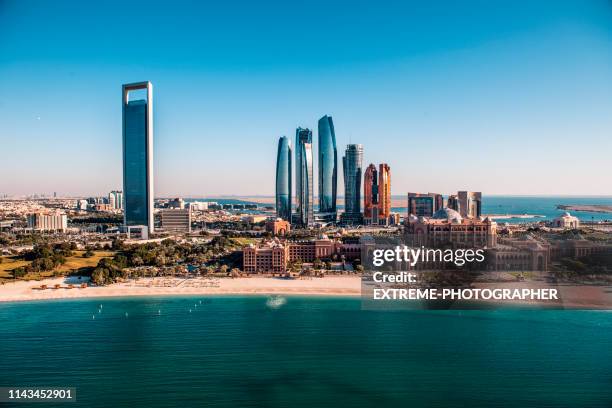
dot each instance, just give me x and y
(275, 302)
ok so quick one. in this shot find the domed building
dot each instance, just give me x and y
(566, 221)
(447, 227)
(447, 214)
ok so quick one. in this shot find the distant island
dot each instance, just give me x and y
(597, 208)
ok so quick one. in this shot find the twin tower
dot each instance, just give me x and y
(328, 177)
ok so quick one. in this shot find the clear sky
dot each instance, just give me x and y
(504, 97)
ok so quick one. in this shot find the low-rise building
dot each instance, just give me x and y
(448, 228)
(269, 257)
(566, 221)
(48, 222)
(525, 253)
(175, 219)
(272, 256)
(278, 226)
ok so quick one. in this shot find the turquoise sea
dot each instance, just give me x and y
(545, 206)
(309, 352)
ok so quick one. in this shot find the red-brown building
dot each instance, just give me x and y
(273, 256)
(278, 226)
(377, 194)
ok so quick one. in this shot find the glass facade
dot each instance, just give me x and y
(283, 179)
(137, 158)
(328, 166)
(303, 177)
(352, 166)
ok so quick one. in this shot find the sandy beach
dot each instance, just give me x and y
(328, 286)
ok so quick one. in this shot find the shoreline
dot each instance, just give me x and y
(163, 286)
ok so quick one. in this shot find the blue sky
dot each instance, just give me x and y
(504, 97)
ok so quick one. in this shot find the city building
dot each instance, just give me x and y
(272, 256)
(453, 202)
(470, 204)
(176, 219)
(352, 166)
(377, 195)
(566, 221)
(446, 227)
(328, 169)
(200, 205)
(115, 200)
(304, 178)
(278, 226)
(283, 179)
(103, 207)
(519, 254)
(268, 257)
(138, 156)
(82, 205)
(48, 222)
(177, 203)
(255, 218)
(424, 205)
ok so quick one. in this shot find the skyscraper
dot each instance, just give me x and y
(384, 191)
(328, 167)
(377, 194)
(370, 195)
(470, 204)
(283, 179)
(424, 205)
(138, 156)
(352, 165)
(303, 177)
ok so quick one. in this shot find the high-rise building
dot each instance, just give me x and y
(377, 195)
(424, 205)
(370, 195)
(303, 177)
(453, 202)
(115, 200)
(283, 179)
(328, 167)
(470, 203)
(384, 190)
(352, 165)
(138, 156)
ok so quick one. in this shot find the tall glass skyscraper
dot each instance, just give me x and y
(138, 156)
(352, 165)
(328, 166)
(303, 177)
(283, 179)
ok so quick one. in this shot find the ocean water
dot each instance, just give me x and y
(307, 352)
(544, 206)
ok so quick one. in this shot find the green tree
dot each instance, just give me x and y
(19, 272)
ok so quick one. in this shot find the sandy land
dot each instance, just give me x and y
(598, 208)
(328, 286)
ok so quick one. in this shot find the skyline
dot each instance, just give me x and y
(525, 88)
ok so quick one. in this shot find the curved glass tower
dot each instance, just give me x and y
(303, 177)
(328, 166)
(283, 179)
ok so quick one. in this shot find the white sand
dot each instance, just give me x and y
(328, 286)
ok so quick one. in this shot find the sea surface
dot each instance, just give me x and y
(545, 206)
(304, 352)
